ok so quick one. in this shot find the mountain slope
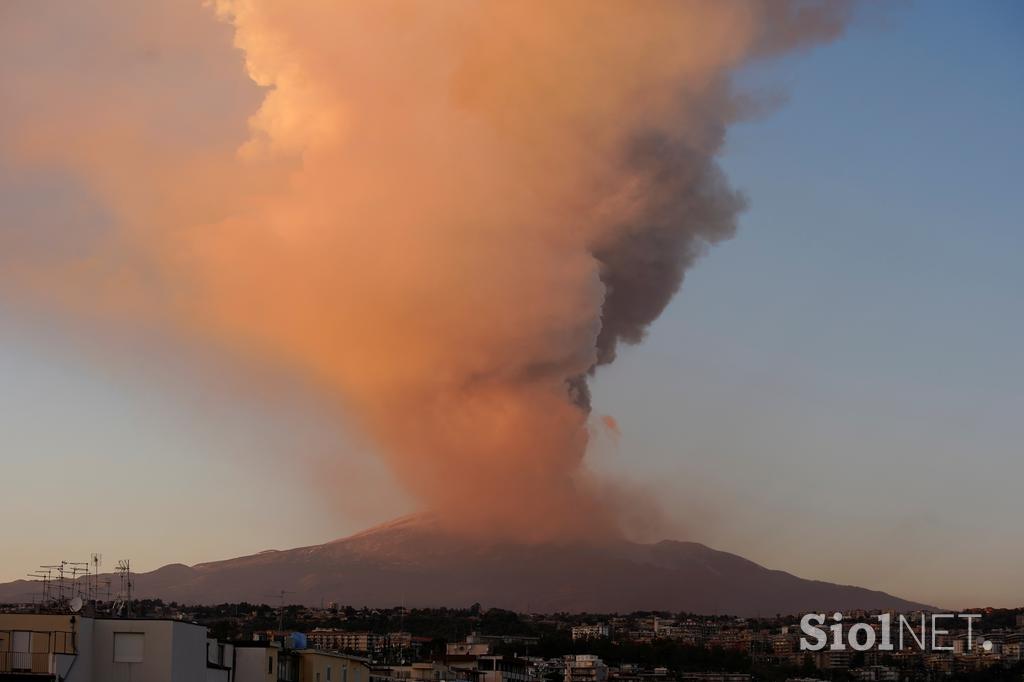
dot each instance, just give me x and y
(410, 561)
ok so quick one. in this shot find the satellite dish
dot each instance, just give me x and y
(75, 605)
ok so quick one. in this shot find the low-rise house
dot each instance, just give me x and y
(325, 666)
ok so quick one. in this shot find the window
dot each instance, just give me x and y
(270, 665)
(128, 647)
(328, 673)
(21, 647)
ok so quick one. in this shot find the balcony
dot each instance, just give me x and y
(33, 655)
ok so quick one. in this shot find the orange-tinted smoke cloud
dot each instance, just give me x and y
(447, 214)
(611, 425)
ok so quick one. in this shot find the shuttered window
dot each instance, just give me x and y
(128, 647)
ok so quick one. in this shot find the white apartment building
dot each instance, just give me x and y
(585, 632)
(327, 639)
(73, 648)
(585, 668)
(472, 646)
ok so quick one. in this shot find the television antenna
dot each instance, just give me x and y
(280, 607)
(124, 597)
(56, 572)
(78, 570)
(97, 560)
(43, 575)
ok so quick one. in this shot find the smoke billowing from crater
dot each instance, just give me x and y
(447, 214)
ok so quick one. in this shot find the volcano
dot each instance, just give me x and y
(412, 561)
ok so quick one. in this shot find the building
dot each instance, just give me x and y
(74, 648)
(585, 668)
(503, 669)
(731, 639)
(265, 661)
(473, 646)
(345, 640)
(1013, 648)
(322, 666)
(327, 639)
(876, 673)
(585, 632)
(831, 660)
(481, 645)
(491, 668)
(434, 671)
(220, 659)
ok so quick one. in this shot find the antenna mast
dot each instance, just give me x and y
(124, 597)
(43, 576)
(97, 561)
(280, 609)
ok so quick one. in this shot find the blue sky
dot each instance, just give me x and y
(849, 368)
(836, 392)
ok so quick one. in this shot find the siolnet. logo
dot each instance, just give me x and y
(862, 636)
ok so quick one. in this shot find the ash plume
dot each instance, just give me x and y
(446, 214)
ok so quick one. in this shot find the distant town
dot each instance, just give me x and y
(154, 641)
